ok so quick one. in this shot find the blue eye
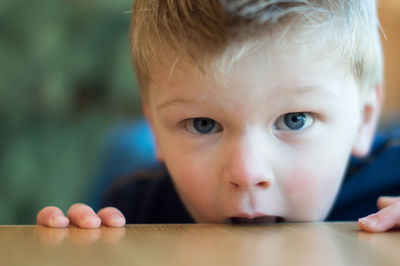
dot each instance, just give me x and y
(202, 125)
(294, 121)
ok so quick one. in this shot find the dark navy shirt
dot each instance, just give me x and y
(149, 196)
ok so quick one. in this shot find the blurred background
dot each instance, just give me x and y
(67, 89)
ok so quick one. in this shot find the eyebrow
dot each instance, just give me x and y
(306, 90)
(299, 91)
(175, 100)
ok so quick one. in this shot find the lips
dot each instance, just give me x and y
(255, 220)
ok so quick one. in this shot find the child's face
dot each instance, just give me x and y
(274, 141)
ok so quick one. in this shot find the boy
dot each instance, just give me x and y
(256, 107)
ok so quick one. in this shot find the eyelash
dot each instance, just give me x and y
(280, 122)
(188, 124)
(278, 125)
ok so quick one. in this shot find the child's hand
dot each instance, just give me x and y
(387, 218)
(80, 215)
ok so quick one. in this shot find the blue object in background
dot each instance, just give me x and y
(130, 147)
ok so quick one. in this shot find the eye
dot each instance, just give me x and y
(202, 125)
(294, 121)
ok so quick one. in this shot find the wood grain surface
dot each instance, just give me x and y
(199, 244)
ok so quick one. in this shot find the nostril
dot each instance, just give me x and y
(263, 184)
(235, 185)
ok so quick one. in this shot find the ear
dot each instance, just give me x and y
(149, 118)
(370, 112)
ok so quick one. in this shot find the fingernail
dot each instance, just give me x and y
(90, 221)
(58, 221)
(369, 221)
(117, 220)
(385, 197)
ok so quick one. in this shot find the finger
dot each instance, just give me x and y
(83, 216)
(52, 217)
(111, 216)
(385, 201)
(384, 220)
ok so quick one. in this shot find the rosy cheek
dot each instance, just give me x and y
(299, 183)
(309, 194)
(192, 179)
(305, 194)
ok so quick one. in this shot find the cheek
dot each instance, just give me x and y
(300, 184)
(311, 192)
(189, 174)
(195, 182)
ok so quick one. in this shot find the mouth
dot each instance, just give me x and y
(255, 220)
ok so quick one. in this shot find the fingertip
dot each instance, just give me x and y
(112, 217)
(385, 201)
(386, 198)
(372, 224)
(51, 216)
(83, 216)
(117, 221)
(58, 221)
(364, 225)
(368, 223)
(90, 221)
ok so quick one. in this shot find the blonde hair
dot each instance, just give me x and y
(162, 31)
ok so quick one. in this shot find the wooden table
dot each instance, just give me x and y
(191, 245)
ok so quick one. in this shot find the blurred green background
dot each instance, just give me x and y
(65, 80)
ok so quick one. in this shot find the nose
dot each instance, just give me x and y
(247, 166)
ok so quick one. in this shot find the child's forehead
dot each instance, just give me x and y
(293, 72)
(265, 57)
(276, 47)
(290, 69)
